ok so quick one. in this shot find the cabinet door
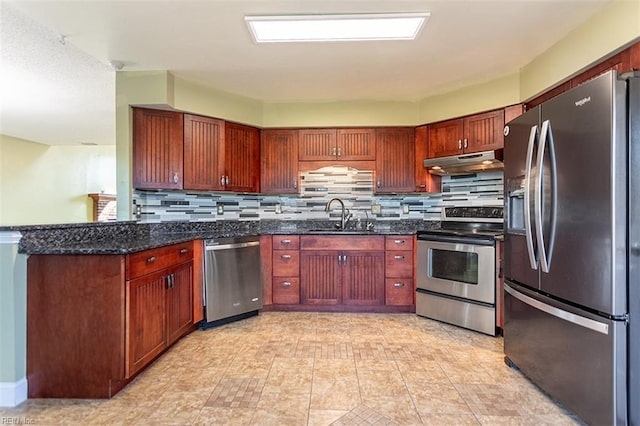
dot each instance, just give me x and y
(203, 153)
(484, 131)
(157, 149)
(363, 277)
(425, 181)
(317, 144)
(179, 301)
(146, 328)
(445, 138)
(399, 291)
(279, 161)
(395, 155)
(356, 144)
(242, 158)
(320, 278)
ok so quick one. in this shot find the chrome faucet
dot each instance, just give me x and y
(344, 215)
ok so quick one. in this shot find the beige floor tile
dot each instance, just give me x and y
(324, 417)
(449, 419)
(282, 409)
(381, 383)
(216, 416)
(334, 394)
(423, 371)
(437, 398)
(399, 408)
(465, 372)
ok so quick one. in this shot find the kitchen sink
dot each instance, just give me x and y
(338, 231)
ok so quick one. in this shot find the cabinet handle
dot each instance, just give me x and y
(398, 257)
(398, 285)
(333, 151)
(466, 143)
(176, 179)
(286, 242)
(286, 256)
(285, 283)
(226, 180)
(379, 183)
(184, 251)
(295, 183)
(459, 143)
(398, 241)
(151, 259)
(221, 180)
(173, 280)
(167, 282)
(339, 152)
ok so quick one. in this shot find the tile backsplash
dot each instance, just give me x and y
(354, 187)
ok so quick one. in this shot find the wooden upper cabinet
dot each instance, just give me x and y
(279, 161)
(395, 160)
(337, 144)
(157, 149)
(242, 158)
(512, 112)
(317, 144)
(356, 144)
(474, 133)
(204, 153)
(425, 181)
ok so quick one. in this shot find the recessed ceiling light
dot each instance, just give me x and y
(354, 27)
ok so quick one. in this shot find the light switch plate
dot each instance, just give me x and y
(220, 208)
(376, 209)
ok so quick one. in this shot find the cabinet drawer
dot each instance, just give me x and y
(398, 291)
(286, 242)
(399, 263)
(148, 261)
(286, 290)
(352, 242)
(398, 242)
(286, 263)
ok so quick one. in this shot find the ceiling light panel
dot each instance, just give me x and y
(354, 27)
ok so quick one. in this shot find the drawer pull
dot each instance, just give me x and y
(398, 285)
(151, 259)
(184, 251)
(286, 242)
(398, 241)
(286, 256)
(398, 257)
(285, 283)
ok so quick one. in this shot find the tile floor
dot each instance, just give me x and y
(318, 369)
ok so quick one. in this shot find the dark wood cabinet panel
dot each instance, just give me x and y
(399, 263)
(356, 144)
(157, 149)
(399, 292)
(146, 330)
(320, 276)
(286, 290)
(242, 158)
(425, 181)
(512, 112)
(179, 302)
(286, 263)
(363, 278)
(395, 160)
(279, 161)
(445, 138)
(352, 242)
(317, 144)
(203, 153)
(483, 132)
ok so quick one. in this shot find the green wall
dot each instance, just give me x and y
(13, 316)
(49, 184)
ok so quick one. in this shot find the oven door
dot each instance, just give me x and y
(462, 268)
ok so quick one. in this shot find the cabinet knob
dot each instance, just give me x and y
(151, 259)
(398, 257)
(398, 241)
(466, 143)
(398, 285)
(295, 183)
(333, 151)
(339, 152)
(459, 143)
(176, 179)
(285, 283)
(285, 256)
(221, 180)
(183, 251)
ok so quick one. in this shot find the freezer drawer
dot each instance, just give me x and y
(576, 357)
(456, 311)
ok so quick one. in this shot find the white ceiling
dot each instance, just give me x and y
(66, 91)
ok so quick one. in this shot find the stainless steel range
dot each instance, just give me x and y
(456, 280)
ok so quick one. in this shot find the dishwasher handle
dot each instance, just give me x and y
(232, 246)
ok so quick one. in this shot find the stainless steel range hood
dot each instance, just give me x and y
(466, 163)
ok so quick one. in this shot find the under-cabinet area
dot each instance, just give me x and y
(95, 321)
(372, 273)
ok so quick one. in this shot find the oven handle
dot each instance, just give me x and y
(527, 199)
(457, 240)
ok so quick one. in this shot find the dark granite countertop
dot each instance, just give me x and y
(129, 237)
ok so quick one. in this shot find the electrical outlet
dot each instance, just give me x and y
(278, 208)
(405, 208)
(220, 208)
(376, 208)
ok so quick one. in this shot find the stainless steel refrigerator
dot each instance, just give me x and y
(572, 248)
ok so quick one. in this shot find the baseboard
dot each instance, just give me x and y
(13, 394)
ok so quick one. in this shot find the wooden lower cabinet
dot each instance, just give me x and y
(321, 276)
(363, 278)
(92, 324)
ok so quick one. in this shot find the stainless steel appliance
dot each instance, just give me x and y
(456, 269)
(572, 248)
(466, 163)
(233, 288)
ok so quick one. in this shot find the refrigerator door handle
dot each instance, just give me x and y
(545, 252)
(596, 326)
(533, 261)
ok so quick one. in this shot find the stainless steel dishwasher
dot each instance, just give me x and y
(233, 288)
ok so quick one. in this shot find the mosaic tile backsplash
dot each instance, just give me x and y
(353, 187)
